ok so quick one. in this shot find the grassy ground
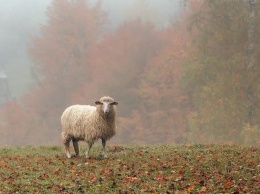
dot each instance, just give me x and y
(132, 169)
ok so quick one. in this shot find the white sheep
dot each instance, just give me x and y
(88, 123)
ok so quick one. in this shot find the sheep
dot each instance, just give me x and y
(88, 123)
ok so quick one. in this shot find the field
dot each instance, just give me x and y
(132, 169)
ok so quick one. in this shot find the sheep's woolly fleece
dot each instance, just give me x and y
(88, 123)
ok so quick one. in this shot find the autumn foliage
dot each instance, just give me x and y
(160, 114)
(77, 63)
(217, 74)
(182, 83)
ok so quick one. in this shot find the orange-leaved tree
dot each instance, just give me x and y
(60, 54)
(120, 62)
(162, 114)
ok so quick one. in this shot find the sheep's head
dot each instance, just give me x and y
(106, 103)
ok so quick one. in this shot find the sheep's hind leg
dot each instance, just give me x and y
(104, 154)
(76, 147)
(88, 151)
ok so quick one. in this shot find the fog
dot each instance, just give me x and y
(180, 73)
(19, 21)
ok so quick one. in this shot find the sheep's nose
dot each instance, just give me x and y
(106, 111)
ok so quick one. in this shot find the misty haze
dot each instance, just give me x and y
(183, 72)
(173, 87)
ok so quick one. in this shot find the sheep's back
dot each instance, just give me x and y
(73, 117)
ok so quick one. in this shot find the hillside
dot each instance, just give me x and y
(132, 169)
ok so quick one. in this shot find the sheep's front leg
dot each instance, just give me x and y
(76, 147)
(104, 154)
(88, 151)
(67, 149)
(66, 141)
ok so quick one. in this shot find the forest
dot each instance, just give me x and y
(193, 81)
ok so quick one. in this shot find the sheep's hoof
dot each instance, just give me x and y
(68, 156)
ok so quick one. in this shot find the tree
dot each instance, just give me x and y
(143, 11)
(73, 28)
(164, 105)
(251, 64)
(61, 56)
(121, 59)
(15, 121)
(216, 72)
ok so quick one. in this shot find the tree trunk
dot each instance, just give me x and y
(251, 64)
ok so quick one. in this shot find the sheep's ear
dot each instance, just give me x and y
(114, 103)
(98, 103)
